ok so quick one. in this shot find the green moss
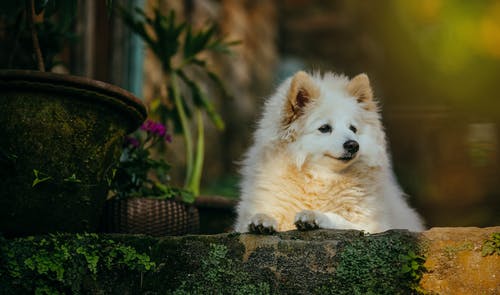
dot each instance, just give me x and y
(492, 245)
(451, 251)
(62, 263)
(322, 262)
(378, 264)
(219, 274)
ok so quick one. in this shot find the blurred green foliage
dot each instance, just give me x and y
(183, 53)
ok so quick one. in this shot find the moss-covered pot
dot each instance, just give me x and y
(60, 137)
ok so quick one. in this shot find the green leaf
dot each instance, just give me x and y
(72, 178)
(200, 63)
(167, 37)
(200, 100)
(195, 43)
(221, 46)
(188, 43)
(39, 177)
(415, 265)
(218, 83)
(187, 197)
(491, 245)
(138, 26)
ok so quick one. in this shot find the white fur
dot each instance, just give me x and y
(287, 176)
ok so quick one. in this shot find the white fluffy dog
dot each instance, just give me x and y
(320, 160)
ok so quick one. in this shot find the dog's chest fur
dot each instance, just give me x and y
(350, 195)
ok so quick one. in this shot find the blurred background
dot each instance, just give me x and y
(434, 65)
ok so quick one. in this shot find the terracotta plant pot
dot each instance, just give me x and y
(150, 216)
(69, 129)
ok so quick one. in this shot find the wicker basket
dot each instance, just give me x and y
(150, 216)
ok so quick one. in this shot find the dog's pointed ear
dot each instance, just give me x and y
(302, 91)
(360, 88)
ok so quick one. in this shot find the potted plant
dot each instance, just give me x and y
(60, 136)
(142, 201)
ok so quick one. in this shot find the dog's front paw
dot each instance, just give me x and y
(307, 220)
(262, 224)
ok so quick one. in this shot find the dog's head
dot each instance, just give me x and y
(331, 121)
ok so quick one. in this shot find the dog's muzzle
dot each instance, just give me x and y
(351, 147)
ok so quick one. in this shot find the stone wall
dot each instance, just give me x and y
(438, 261)
(460, 261)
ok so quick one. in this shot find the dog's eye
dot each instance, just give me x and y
(353, 129)
(325, 128)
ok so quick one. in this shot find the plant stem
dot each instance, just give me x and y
(186, 130)
(199, 157)
(34, 36)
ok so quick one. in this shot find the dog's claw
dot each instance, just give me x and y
(262, 224)
(260, 229)
(306, 220)
(306, 225)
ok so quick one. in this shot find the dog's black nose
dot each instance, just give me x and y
(351, 146)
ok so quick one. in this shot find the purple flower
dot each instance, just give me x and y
(157, 129)
(148, 125)
(131, 141)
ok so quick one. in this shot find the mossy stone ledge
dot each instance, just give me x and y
(438, 261)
